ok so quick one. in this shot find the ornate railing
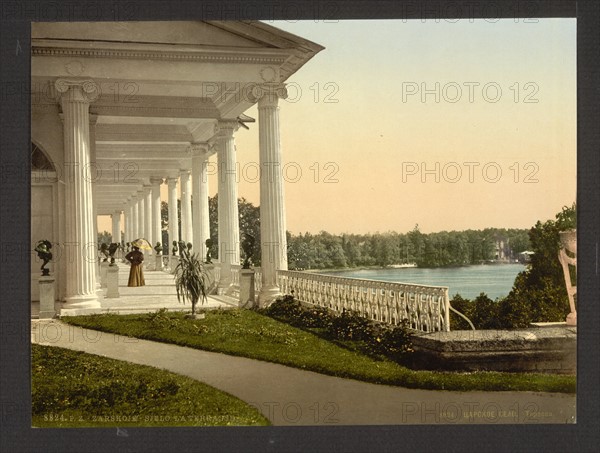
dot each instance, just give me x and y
(427, 308)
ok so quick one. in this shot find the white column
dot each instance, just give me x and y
(200, 220)
(116, 227)
(173, 213)
(156, 217)
(135, 225)
(127, 220)
(80, 243)
(272, 208)
(186, 206)
(148, 229)
(229, 225)
(141, 213)
(93, 120)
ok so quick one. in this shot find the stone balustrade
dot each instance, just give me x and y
(427, 308)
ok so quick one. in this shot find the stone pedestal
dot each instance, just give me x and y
(112, 281)
(247, 296)
(210, 272)
(103, 271)
(47, 297)
(158, 266)
(173, 261)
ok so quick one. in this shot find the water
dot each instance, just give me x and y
(469, 281)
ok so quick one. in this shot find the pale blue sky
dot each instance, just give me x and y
(365, 144)
(370, 133)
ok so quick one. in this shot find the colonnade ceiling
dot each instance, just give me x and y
(160, 87)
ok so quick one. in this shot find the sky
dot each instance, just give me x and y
(448, 125)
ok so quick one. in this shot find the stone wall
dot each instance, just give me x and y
(536, 349)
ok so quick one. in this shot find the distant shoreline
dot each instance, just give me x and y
(366, 268)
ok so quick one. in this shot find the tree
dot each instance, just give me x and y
(249, 221)
(539, 293)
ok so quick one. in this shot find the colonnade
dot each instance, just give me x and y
(142, 209)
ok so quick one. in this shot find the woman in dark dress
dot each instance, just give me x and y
(136, 274)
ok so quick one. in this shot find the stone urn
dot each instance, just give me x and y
(567, 256)
(568, 240)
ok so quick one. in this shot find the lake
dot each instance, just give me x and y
(494, 280)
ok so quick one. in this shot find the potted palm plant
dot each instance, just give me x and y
(191, 281)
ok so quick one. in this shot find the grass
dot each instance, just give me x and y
(249, 334)
(75, 389)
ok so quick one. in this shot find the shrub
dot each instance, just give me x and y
(285, 309)
(372, 338)
(395, 342)
(464, 306)
(350, 326)
(484, 314)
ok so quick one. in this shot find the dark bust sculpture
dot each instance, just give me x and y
(43, 251)
(112, 248)
(104, 251)
(158, 248)
(209, 244)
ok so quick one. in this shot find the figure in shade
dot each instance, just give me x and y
(136, 273)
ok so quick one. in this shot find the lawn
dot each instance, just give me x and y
(249, 334)
(75, 389)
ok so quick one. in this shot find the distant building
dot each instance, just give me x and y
(525, 257)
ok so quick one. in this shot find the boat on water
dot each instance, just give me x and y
(400, 266)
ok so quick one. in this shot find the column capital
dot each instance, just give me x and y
(185, 172)
(267, 93)
(154, 180)
(198, 149)
(226, 128)
(172, 180)
(77, 90)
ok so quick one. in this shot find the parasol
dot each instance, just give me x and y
(142, 244)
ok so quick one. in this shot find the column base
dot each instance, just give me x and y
(572, 319)
(90, 301)
(267, 295)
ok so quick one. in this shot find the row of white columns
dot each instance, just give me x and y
(142, 209)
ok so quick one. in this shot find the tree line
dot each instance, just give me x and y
(325, 250)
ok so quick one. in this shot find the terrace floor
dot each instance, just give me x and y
(159, 292)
